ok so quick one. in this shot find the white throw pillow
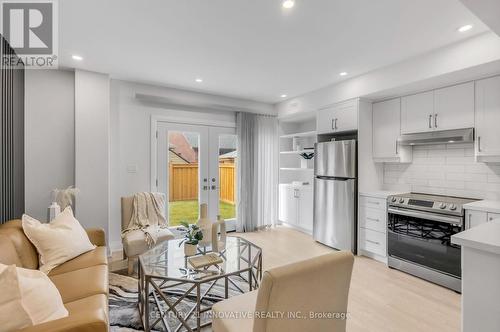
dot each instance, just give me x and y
(28, 298)
(58, 241)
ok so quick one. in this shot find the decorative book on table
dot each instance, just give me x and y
(198, 262)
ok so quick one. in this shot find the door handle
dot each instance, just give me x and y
(205, 187)
(479, 144)
(435, 120)
(214, 187)
(430, 121)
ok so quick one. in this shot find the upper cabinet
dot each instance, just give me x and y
(417, 113)
(386, 130)
(454, 107)
(488, 120)
(338, 118)
(442, 109)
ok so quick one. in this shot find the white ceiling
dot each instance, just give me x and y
(253, 49)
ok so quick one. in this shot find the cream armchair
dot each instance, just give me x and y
(134, 243)
(316, 289)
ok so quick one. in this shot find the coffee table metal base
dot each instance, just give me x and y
(156, 290)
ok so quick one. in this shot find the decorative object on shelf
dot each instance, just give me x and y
(65, 197)
(54, 209)
(295, 144)
(305, 157)
(198, 262)
(219, 235)
(192, 236)
(205, 225)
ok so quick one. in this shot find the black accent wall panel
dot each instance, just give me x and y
(11, 137)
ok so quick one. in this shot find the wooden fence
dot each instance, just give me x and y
(183, 182)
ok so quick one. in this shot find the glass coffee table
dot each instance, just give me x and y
(170, 290)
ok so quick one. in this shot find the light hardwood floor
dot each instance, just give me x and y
(380, 299)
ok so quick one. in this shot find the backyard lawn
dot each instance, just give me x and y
(188, 211)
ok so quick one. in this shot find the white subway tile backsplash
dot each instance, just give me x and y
(445, 170)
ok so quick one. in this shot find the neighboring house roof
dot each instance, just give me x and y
(174, 158)
(232, 154)
(180, 146)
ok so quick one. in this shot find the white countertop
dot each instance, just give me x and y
(484, 237)
(486, 206)
(380, 193)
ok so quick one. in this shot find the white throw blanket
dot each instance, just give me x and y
(148, 216)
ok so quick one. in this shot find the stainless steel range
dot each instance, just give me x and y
(419, 230)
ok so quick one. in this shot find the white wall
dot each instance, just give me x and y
(92, 112)
(130, 140)
(462, 61)
(49, 137)
(445, 170)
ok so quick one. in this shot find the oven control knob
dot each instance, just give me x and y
(453, 207)
(401, 200)
(442, 206)
(394, 199)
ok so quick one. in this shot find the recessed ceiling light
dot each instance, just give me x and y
(288, 4)
(465, 28)
(199, 80)
(77, 57)
(343, 73)
(283, 96)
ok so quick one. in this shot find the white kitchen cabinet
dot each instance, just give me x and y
(305, 207)
(287, 204)
(474, 218)
(386, 131)
(488, 120)
(372, 223)
(338, 118)
(296, 206)
(417, 113)
(454, 107)
(442, 109)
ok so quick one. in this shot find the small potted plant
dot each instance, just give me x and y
(192, 236)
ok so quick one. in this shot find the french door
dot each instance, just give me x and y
(196, 165)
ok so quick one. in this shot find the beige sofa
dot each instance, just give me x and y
(82, 281)
(318, 286)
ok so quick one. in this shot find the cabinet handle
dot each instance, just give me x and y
(333, 124)
(435, 120)
(336, 124)
(430, 120)
(372, 219)
(479, 144)
(396, 148)
(374, 242)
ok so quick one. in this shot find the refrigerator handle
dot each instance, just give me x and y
(332, 178)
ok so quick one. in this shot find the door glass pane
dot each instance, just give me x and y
(183, 178)
(227, 176)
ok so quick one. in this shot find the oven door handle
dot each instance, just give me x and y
(426, 215)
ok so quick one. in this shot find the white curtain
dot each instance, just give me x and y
(257, 171)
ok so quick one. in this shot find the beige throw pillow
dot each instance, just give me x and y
(58, 241)
(28, 298)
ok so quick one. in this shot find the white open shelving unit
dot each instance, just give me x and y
(296, 181)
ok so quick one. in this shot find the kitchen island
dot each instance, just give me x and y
(480, 276)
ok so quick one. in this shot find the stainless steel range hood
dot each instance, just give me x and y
(438, 137)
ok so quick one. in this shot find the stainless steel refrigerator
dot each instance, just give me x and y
(335, 194)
